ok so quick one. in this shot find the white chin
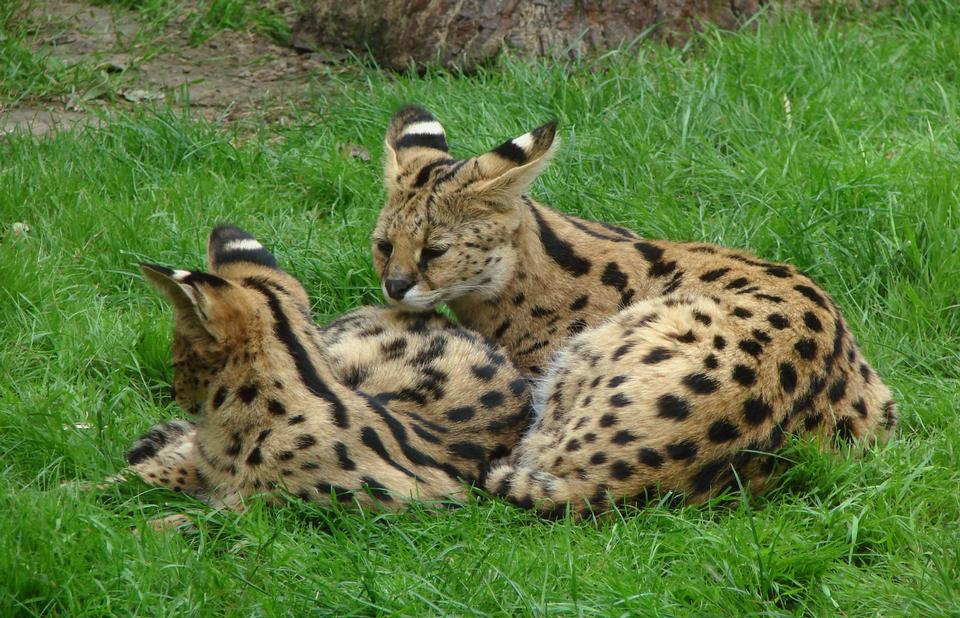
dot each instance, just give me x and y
(412, 304)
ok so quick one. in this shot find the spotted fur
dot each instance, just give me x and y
(662, 366)
(380, 407)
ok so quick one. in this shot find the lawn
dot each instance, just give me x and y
(832, 143)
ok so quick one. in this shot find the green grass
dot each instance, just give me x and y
(860, 187)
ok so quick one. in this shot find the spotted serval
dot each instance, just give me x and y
(662, 365)
(381, 406)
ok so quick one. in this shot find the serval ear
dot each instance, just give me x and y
(510, 168)
(235, 254)
(194, 296)
(415, 143)
(228, 245)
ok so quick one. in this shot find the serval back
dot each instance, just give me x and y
(382, 406)
(662, 365)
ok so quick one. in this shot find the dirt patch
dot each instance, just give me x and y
(230, 76)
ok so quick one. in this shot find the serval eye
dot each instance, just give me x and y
(385, 247)
(429, 253)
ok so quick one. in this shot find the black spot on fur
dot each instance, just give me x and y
(811, 294)
(761, 336)
(739, 282)
(620, 400)
(285, 455)
(837, 390)
(657, 355)
(703, 318)
(255, 458)
(518, 387)
(141, 451)
(778, 271)
(540, 312)
(614, 277)
(650, 457)
(661, 269)
(743, 375)
(713, 275)
(685, 449)
(845, 430)
(742, 312)
(616, 381)
(723, 431)
(609, 420)
(573, 445)
(756, 410)
(376, 489)
(247, 392)
(394, 349)
(770, 297)
(304, 440)
(464, 413)
(778, 321)
(751, 347)
(621, 470)
(889, 415)
(236, 445)
(812, 322)
(651, 253)
(861, 407)
(623, 437)
(276, 408)
(579, 303)
(424, 174)
(576, 326)
(719, 342)
(806, 348)
(701, 383)
(598, 459)
(705, 477)
(468, 450)
(673, 407)
(343, 457)
(788, 377)
(484, 372)
(687, 337)
(670, 287)
(219, 397)
(619, 352)
(491, 399)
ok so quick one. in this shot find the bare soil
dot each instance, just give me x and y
(229, 77)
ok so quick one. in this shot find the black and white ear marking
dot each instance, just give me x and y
(529, 146)
(229, 244)
(415, 127)
(189, 291)
(511, 167)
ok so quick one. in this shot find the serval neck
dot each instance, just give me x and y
(548, 278)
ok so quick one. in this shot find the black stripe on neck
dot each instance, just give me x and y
(308, 373)
(558, 250)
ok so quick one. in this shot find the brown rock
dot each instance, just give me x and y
(465, 33)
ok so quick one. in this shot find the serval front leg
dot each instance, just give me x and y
(165, 456)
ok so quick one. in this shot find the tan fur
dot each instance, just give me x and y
(381, 406)
(663, 365)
